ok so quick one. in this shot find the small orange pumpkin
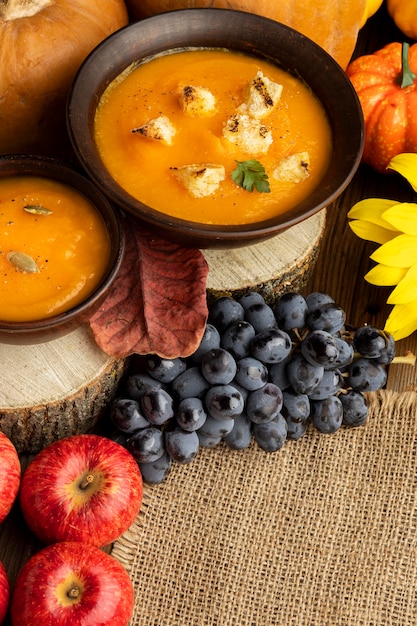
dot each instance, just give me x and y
(43, 43)
(332, 25)
(386, 84)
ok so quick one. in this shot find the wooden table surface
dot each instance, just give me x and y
(342, 263)
(344, 258)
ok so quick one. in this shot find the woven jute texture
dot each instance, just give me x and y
(320, 533)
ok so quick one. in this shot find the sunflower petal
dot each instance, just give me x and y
(385, 276)
(402, 321)
(406, 165)
(372, 210)
(371, 232)
(399, 252)
(403, 217)
(406, 290)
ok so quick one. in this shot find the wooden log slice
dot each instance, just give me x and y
(55, 389)
(272, 267)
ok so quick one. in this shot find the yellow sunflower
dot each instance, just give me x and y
(393, 225)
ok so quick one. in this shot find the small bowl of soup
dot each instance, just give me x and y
(215, 128)
(61, 248)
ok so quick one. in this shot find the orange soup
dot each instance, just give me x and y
(295, 154)
(54, 248)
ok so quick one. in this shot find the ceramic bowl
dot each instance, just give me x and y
(42, 330)
(239, 31)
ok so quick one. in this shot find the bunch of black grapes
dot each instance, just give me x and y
(261, 373)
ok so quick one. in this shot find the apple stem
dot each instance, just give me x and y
(86, 481)
(73, 592)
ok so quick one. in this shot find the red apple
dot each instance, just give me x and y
(4, 592)
(9, 475)
(81, 488)
(71, 583)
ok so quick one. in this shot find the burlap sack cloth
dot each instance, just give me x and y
(320, 533)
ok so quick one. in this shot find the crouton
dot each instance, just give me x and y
(293, 168)
(248, 134)
(197, 101)
(201, 179)
(159, 128)
(261, 96)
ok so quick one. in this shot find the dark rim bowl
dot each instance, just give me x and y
(51, 328)
(240, 31)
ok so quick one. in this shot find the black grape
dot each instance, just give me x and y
(251, 297)
(156, 472)
(291, 311)
(209, 341)
(271, 436)
(146, 445)
(182, 446)
(190, 384)
(190, 414)
(261, 317)
(126, 415)
(328, 316)
(157, 405)
(164, 370)
(224, 401)
(237, 339)
(355, 408)
(327, 415)
(264, 404)
(136, 384)
(271, 346)
(302, 375)
(240, 436)
(366, 375)
(224, 311)
(251, 373)
(218, 367)
(320, 348)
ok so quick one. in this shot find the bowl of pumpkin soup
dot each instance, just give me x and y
(215, 128)
(61, 248)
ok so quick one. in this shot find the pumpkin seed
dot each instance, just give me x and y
(37, 209)
(23, 262)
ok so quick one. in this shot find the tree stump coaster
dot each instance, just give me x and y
(55, 389)
(272, 267)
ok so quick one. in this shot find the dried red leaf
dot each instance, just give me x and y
(158, 303)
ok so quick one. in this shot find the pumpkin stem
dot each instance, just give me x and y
(14, 9)
(407, 76)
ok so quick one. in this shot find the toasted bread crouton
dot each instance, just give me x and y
(249, 134)
(201, 179)
(197, 101)
(159, 128)
(262, 95)
(293, 168)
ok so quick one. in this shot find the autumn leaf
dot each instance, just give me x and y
(157, 304)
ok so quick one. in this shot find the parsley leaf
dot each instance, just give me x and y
(251, 175)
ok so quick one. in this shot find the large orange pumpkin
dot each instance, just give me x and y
(333, 25)
(404, 14)
(42, 44)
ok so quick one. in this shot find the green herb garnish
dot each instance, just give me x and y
(251, 175)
